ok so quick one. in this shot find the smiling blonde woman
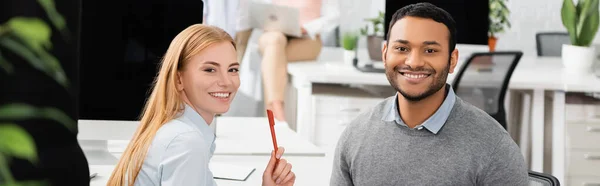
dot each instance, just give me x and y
(173, 145)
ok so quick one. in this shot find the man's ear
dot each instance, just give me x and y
(179, 81)
(453, 60)
(383, 52)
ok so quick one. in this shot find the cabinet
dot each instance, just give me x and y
(582, 141)
(335, 106)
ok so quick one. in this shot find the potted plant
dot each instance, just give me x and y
(499, 20)
(581, 21)
(349, 41)
(29, 38)
(374, 36)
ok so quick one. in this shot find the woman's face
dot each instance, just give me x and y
(209, 80)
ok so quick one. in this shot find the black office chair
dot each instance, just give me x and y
(542, 179)
(550, 43)
(483, 80)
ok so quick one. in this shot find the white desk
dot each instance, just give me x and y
(309, 170)
(538, 74)
(240, 141)
(235, 136)
(252, 136)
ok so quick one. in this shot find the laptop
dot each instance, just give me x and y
(270, 17)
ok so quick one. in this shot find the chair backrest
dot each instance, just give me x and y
(483, 79)
(542, 179)
(550, 43)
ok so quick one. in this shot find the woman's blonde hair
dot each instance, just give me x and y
(165, 103)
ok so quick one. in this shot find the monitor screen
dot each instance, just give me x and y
(471, 17)
(122, 43)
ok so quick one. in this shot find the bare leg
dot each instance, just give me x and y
(277, 51)
(274, 71)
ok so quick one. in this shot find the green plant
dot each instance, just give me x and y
(499, 17)
(580, 20)
(29, 39)
(377, 25)
(349, 40)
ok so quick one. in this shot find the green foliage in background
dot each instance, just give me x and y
(499, 17)
(376, 24)
(349, 40)
(580, 20)
(29, 38)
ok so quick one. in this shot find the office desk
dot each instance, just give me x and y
(235, 136)
(252, 136)
(308, 170)
(536, 74)
(242, 141)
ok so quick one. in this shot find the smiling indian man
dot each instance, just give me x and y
(425, 134)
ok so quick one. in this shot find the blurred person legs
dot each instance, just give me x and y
(277, 50)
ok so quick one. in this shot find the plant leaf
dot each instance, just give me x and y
(16, 142)
(18, 111)
(3, 30)
(5, 65)
(590, 24)
(579, 6)
(349, 41)
(33, 31)
(569, 18)
(42, 61)
(581, 16)
(5, 174)
(26, 183)
(57, 20)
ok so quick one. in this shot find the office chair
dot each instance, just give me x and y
(483, 80)
(550, 43)
(542, 179)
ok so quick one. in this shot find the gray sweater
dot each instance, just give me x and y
(470, 149)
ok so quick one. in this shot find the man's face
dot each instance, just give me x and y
(416, 57)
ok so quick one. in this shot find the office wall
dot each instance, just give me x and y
(527, 17)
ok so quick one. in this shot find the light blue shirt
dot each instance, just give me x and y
(180, 153)
(433, 123)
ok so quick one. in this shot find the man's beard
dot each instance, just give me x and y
(437, 84)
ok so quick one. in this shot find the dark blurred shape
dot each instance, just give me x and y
(471, 16)
(61, 160)
(122, 43)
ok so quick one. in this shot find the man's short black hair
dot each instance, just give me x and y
(430, 11)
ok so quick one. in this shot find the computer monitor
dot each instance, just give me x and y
(471, 17)
(121, 45)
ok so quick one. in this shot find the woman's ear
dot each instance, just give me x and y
(179, 81)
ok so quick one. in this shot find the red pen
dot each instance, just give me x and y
(272, 125)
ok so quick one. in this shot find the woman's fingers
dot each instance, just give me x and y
(279, 169)
(280, 151)
(284, 173)
(289, 178)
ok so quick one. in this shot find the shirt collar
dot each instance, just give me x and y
(199, 123)
(433, 123)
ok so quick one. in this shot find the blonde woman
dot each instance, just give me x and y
(173, 145)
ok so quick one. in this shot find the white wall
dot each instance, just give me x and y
(527, 18)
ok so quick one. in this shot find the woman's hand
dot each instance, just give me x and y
(278, 171)
(304, 32)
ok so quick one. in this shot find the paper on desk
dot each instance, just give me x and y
(230, 172)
